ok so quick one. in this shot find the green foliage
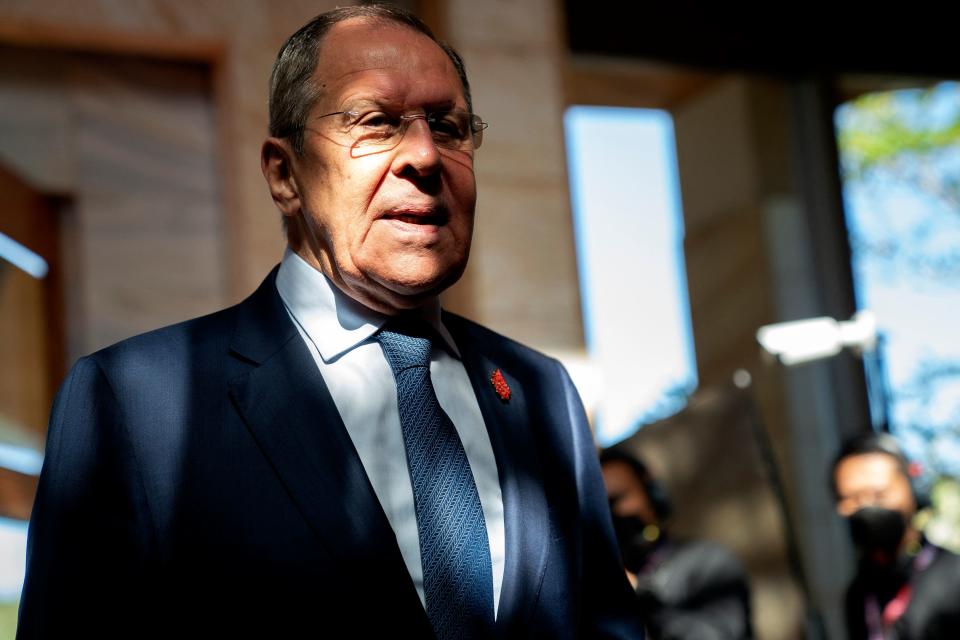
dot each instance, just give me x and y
(887, 132)
(8, 620)
(943, 528)
(900, 160)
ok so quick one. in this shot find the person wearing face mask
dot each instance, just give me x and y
(905, 587)
(686, 589)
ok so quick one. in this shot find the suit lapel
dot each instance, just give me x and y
(526, 519)
(286, 406)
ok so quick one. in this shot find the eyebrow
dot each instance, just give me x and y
(394, 105)
(358, 103)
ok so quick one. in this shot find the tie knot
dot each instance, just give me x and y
(406, 343)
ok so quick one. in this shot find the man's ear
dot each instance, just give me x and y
(276, 162)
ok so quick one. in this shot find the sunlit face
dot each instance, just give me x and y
(392, 229)
(873, 480)
(626, 493)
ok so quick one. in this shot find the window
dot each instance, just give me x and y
(629, 234)
(900, 161)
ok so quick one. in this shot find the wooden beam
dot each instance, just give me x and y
(151, 45)
(597, 80)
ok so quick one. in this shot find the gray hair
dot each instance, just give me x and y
(292, 90)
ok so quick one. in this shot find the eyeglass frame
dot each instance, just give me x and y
(476, 125)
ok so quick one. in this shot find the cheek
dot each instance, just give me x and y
(461, 181)
(343, 203)
(901, 498)
(353, 192)
(462, 199)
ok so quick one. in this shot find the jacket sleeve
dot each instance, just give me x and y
(90, 533)
(609, 607)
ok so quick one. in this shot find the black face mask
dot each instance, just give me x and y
(634, 547)
(876, 529)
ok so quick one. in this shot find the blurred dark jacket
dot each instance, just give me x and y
(694, 591)
(933, 605)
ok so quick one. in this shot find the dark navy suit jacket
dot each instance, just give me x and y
(199, 481)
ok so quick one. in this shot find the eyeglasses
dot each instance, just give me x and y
(374, 131)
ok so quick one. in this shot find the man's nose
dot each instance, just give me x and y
(417, 154)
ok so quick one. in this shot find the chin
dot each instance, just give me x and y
(418, 285)
(407, 290)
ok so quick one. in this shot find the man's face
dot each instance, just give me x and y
(627, 495)
(392, 229)
(873, 480)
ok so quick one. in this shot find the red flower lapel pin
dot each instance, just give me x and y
(500, 385)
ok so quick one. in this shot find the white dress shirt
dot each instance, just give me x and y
(338, 332)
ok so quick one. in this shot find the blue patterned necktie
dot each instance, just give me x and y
(454, 550)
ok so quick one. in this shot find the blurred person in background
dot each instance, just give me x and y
(905, 587)
(686, 589)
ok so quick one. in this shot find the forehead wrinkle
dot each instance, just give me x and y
(362, 61)
(383, 54)
(387, 89)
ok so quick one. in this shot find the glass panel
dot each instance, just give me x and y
(900, 158)
(629, 233)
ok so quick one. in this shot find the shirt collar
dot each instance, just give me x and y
(335, 322)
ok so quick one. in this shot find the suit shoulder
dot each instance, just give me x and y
(462, 328)
(168, 347)
(196, 338)
(202, 327)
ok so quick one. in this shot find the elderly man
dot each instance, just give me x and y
(905, 587)
(335, 456)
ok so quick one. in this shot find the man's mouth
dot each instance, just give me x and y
(430, 216)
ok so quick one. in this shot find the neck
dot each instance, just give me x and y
(370, 294)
